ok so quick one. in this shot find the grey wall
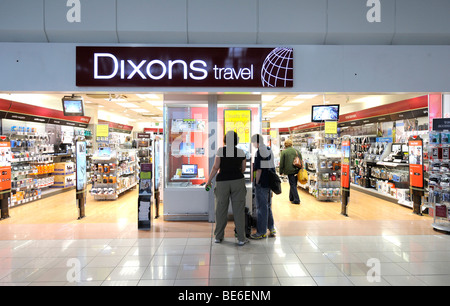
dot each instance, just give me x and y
(291, 22)
(50, 67)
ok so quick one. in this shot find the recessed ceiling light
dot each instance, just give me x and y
(155, 103)
(273, 114)
(305, 96)
(293, 103)
(282, 109)
(128, 105)
(140, 110)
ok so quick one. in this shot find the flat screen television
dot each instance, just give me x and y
(73, 106)
(320, 113)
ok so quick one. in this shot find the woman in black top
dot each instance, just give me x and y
(230, 163)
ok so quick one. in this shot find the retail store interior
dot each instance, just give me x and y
(170, 132)
(380, 185)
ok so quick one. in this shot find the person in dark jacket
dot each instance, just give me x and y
(263, 163)
(286, 167)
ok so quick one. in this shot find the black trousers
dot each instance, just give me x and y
(293, 193)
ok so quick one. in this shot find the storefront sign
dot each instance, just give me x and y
(184, 66)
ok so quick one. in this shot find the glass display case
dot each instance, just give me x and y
(194, 128)
(186, 161)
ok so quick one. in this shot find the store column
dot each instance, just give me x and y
(212, 135)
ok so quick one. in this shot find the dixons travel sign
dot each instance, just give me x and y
(185, 66)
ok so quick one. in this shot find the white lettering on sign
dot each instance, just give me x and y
(143, 69)
(374, 14)
(74, 13)
(232, 74)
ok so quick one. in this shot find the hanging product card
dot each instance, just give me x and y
(416, 162)
(330, 127)
(102, 130)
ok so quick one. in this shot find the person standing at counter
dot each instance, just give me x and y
(264, 162)
(229, 163)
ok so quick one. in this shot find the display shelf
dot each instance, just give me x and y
(438, 189)
(113, 172)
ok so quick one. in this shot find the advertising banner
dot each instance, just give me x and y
(416, 162)
(81, 165)
(240, 122)
(345, 164)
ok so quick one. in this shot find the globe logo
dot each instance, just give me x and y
(278, 68)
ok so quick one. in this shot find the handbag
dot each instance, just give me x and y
(274, 182)
(297, 161)
(302, 176)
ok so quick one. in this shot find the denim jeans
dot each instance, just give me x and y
(293, 192)
(264, 209)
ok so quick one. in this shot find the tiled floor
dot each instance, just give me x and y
(43, 244)
(416, 260)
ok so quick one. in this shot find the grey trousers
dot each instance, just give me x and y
(236, 191)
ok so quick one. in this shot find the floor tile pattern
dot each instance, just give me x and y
(413, 260)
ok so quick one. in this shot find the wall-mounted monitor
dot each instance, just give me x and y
(320, 113)
(73, 106)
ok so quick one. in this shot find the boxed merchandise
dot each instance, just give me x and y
(64, 168)
(63, 181)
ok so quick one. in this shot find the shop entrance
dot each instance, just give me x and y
(378, 195)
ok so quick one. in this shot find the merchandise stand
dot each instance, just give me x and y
(114, 172)
(81, 175)
(345, 175)
(5, 176)
(416, 178)
(439, 178)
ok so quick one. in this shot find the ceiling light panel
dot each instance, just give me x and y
(140, 110)
(305, 96)
(293, 103)
(128, 105)
(282, 109)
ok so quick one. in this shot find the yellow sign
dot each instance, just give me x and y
(240, 122)
(330, 127)
(102, 130)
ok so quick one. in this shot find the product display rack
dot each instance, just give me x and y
(324, 174)
(113, 172)
(439, 180)
(328, 177)
(380, 167)
(31, 164)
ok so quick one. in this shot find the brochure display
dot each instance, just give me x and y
(145, 196)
